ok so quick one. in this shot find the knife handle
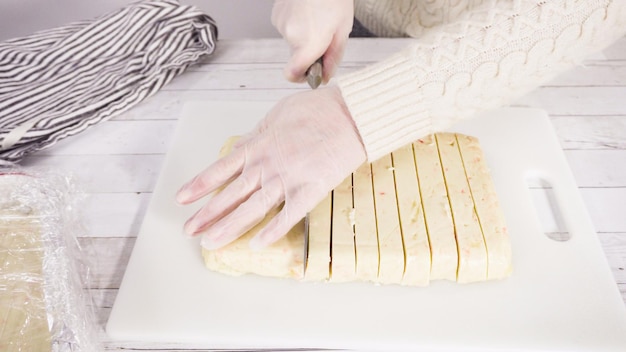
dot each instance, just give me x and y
(314, 73)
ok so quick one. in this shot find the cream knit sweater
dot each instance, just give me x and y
(468, 56)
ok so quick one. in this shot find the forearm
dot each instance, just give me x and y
(483, 60)
(393, 18)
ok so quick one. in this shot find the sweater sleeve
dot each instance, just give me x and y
(409, 18)
(487, 57)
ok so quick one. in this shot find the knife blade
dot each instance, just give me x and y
(306, 244)
(314, 74)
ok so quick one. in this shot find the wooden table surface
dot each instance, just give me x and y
(117, 163)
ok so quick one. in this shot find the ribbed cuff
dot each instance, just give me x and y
(387, 105)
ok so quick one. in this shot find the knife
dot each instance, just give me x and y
(306, 243)
(314, 74)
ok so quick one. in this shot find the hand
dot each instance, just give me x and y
(313, 29)
(306, 145)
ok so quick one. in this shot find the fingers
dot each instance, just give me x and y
(301, 60)
(252, 134)
(212, 178)
(223, 202)
(298, 64)
(333, 56)
(293, 211)
(244, 139)
(245, 217)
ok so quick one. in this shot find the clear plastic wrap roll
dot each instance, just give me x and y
(43, 303)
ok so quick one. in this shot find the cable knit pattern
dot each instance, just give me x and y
(400, 18)
(469, 61)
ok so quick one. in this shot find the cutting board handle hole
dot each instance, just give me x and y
(547, 208)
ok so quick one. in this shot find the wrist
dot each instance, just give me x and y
(387, 105)
(346, 116)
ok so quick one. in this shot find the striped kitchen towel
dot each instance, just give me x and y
(56, 83)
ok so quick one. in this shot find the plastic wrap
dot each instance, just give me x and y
(43, 305)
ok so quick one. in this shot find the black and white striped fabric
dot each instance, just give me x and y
(57, 83)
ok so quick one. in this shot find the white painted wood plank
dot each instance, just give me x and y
(102, 297)
(274, 66)
(591, 132)
(240, 77)
(253, 65)
(598, 168)
(213, 77)
(115, 214)
(277, 51)
(576, 100)
(101, 316)
(168, 105)
(357, 50)
(593, 73)
(616, 51)
(606, 208)
(118, 137)
(614, 245)
(105, 173)
(106, 259)
(270, 76)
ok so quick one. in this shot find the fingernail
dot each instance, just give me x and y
(187, 234)
(183, 194)
(191, 226)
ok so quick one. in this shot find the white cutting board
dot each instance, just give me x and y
(561, 296)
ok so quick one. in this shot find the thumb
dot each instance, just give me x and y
(301, 59)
